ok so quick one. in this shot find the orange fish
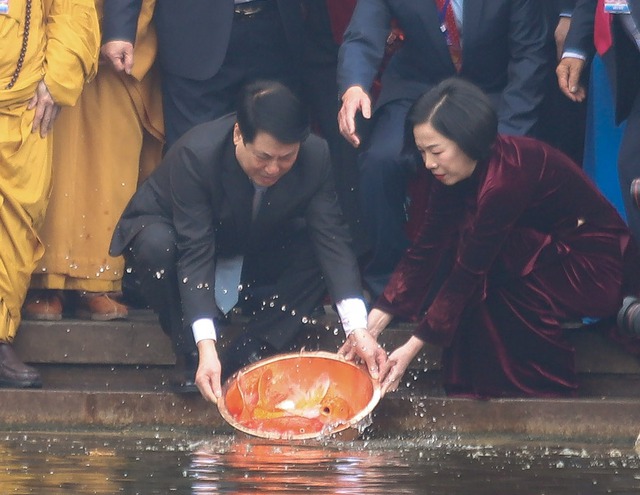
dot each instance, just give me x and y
(298, 395)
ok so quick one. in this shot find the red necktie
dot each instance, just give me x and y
(452, 34)
(602, 29)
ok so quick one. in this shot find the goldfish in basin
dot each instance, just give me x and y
(274, 400)
(298, 396)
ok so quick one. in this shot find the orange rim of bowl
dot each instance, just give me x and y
(353, 422)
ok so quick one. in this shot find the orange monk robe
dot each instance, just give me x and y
(102, 146)
(62, 49)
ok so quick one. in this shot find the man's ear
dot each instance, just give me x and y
(237, 135)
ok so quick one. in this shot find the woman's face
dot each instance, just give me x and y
(441, 156)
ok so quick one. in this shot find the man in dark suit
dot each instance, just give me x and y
(562, 121)
(595, 24)
(503, 51)
(251, 191)
(208, 49)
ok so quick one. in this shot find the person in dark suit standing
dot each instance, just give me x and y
(208, 49)
(611, 27)
(500, 45)
(563, 122)
(243, 208)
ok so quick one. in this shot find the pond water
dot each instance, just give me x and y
(142, 462)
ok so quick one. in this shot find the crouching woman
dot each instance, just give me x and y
(515, 241)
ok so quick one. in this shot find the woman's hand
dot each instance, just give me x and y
(209, 371)
(362, 344)
(397, 364)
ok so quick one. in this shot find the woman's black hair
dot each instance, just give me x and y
(458, 110)
(271, 107)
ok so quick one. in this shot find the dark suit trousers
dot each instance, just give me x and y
(383, 193)
(629, 166)
(258, 49)
(281, 287)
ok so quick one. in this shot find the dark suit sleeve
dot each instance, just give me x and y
(120, 21)
(566, 6)
(193, 219)
(529, 69)
(580, 36)
(363, 45)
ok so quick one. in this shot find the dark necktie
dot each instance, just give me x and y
(450, 31)
(229, 270)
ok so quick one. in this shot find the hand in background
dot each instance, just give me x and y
(46, 109)
(120, 54)
(569, 71)
(354, 100)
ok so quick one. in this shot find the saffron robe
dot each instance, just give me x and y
(62, 50)
(102, 148)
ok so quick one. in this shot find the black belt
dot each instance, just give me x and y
(250, 9)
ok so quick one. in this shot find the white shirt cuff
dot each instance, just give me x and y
(353, 314)
(574, 54)
(204, 329)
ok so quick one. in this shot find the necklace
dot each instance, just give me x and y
(23, 49)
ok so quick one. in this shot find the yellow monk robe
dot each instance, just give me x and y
(62, 49)
(99, 149)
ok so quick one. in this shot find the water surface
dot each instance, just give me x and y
(143, 462)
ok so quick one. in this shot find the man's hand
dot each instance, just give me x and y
(568, 71)
(120, 54)
(354, 100)
(46, 109)
(560, 34)
(361, 343)
(397, 364)
(209, 371)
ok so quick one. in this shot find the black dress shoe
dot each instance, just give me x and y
(13, 372)
(185, 379)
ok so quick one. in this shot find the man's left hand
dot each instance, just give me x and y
(362, 344)
(46, 110)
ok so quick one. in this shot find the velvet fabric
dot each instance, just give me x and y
(502, 259)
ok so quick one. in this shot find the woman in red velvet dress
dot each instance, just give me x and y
(515, 241)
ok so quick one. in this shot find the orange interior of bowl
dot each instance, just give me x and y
(301, 395)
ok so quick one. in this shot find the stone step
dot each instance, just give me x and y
(397, 415)
(140, 341)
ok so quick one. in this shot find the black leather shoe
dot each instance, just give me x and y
(13, 372)
(185, 380)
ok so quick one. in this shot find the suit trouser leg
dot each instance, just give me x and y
(383, 193)
(629, 166)
(287, 286)
(152, 256)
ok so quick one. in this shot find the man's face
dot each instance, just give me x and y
(266, 159)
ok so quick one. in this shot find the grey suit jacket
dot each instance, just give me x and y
(505, 53)
(201, 190)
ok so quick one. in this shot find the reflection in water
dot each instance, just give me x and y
(166, 462)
